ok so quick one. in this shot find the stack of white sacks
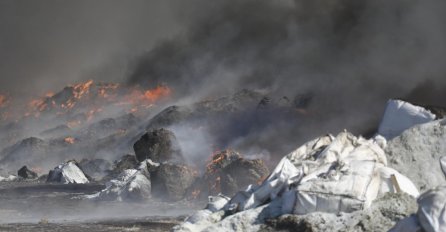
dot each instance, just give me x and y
(329, 174)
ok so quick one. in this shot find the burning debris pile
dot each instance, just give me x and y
(227, 172)
(87, 120)
(341, 182)
(164, 175)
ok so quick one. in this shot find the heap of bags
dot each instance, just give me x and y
(330, 174)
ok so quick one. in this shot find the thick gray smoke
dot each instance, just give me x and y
(350, 55)
(46, 45)
(346, 52)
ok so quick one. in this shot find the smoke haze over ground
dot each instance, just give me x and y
(346, 57)
(349, 56)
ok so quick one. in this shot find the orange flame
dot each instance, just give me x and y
(195, 194)
(217, 159)
(105, 90)
(70, 140)
(88, 97)
(3, 100)
(157, 93)
(49, 94)
(81, 89)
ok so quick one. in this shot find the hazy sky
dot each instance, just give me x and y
(47, 44)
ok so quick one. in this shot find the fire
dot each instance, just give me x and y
(3, 100)
(36, 106)
(157, 93)
(81, 89)
(49, 94)
(218, 159)
(143, 99)
(107, 90)
(70, 140)
(87, 98)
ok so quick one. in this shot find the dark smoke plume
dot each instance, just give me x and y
(351, 56)
(46, 45)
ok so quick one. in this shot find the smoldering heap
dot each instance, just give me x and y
(158, 170)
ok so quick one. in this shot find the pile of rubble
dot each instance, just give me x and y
(158, 170)
(346, 183)
(331, 183)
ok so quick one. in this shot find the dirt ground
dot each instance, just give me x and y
(33, 206)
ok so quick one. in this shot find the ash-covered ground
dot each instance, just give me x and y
(37, 206)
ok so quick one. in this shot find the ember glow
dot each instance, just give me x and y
(81, 89)
(219, 158)
(3, 100)
(157, 93)
(89, 99)
(70, 140)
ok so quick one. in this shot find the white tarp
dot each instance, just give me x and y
(345, 178)
(400, 115)
(130, 185)
(328, 174)
(432, 210)
(8, 179)
(67, 173)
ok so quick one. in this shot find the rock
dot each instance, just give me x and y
(67, 173)
(158, 145)
(228, 172)
(59, 131)
(240, 101)
(169, 116)
(171, 181)
(416, 154)
(241, 173)
(130, 185)
(126, 162)
(25, 173)
(96, 168)
(30, 149)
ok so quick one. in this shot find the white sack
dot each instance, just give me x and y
(130, 185)
(400, 115)
(67, 173)
(349, 188)
(388, 178)
(432, 210)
